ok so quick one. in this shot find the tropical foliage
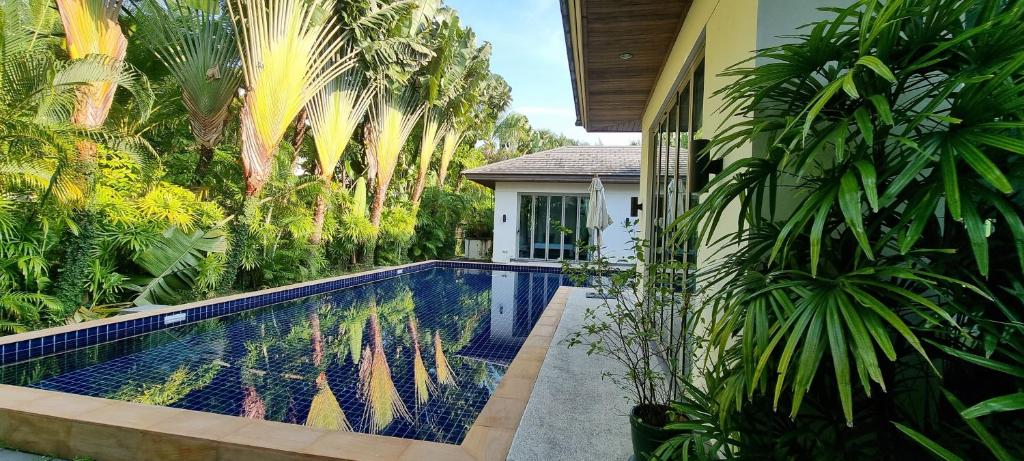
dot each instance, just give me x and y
(869, 306)
(154, 151)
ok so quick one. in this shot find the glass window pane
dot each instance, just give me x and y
(540, 219)
(554, 227)
(525, 218)
(698, 99)
(569, 247)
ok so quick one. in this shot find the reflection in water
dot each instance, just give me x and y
(424, 386)
(178, 384)
(445, 375)
(306, 361)
(324, 411)
(383, 404)
(252, 404)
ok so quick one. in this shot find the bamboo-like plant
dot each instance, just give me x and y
(290, 50)
(392, 119)
(421, 379)
(433, 132)
(91, 28)
(445, 374)
(334, 114)
(195, 41)
(452, 138)
(874, 271)
(383, 404)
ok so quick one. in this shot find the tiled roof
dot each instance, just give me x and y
(568, 164)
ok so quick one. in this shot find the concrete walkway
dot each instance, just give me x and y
(573, 414)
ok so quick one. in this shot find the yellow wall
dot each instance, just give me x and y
(729, 28)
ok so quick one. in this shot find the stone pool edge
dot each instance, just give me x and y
(69, 425)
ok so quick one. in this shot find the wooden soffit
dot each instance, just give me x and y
(611, 92)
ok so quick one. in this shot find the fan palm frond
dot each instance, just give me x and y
(290, 50)
(334, 114)
(433, 132)
(91, 28)
(391, 122)
(196, 43)
(452, 139)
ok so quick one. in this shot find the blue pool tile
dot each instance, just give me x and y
(266, 361)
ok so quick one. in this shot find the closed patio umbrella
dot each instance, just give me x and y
(598, 218)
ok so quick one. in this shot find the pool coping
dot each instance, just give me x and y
(71, 425)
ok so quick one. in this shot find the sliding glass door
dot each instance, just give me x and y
(542, 218)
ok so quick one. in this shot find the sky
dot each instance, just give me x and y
(529, 52)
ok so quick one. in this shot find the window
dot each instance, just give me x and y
(670, 192)
(542, 218)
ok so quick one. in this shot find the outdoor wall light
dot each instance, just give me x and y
(626, 56)
(503, 218)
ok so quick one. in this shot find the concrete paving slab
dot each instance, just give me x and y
(574, 414)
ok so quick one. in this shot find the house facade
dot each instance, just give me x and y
(538, 194)
(653, 66)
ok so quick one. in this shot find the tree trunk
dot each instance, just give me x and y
(319, 215)
(257, 159)
(377, 209)
(203, 164)
(300, 132)
(441, 175)
(417, 192)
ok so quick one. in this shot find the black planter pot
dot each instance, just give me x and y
(646, 437)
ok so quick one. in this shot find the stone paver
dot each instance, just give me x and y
(573, 414)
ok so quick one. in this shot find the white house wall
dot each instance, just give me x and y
(616, 239)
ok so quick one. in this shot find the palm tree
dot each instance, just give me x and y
(196, 43)
(334, 114)
(290, 50)
(391, 121)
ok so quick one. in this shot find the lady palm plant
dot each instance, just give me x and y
(195, 41)
(290, 50)
(878, 296)
(335, 113)
(392, 119)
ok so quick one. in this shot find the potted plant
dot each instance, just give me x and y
(641, 324)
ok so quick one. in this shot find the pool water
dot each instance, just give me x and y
(415, 356)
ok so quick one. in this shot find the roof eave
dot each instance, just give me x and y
(489, 180)
(573, 63)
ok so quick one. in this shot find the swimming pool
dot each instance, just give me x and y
(414, 355)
